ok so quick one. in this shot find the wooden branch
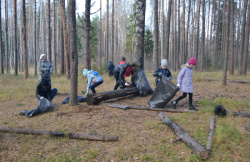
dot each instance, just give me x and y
(96, 98)
(236, 81)
(125, 107)
(185, 137)
(58, 134)
(211, 132)
(242, 114)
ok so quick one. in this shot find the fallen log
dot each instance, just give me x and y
(93, 99)
(242, 114)
(185, 137)
(125, 107)
(58, 134)
(211, 132)
(235, 81)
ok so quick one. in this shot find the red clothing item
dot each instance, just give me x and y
(128, 72)
(122, 62)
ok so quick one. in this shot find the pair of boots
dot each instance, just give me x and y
(191, 107)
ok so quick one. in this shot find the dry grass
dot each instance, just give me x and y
(142, 136)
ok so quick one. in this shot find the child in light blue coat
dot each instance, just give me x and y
(94, 77)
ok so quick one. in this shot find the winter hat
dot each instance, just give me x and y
(85, 72)
(164, 62)
(41, 56)
(192, 61)
(110, 62)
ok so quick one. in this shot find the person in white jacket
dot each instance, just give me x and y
(94, 77)
(44, 66)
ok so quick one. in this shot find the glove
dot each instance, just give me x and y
(160, 73)
(178, 85)
(41, 98)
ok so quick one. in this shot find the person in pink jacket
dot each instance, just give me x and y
(184, 82)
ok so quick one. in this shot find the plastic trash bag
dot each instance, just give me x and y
(163, 93)
(79, 98)
(43, 107)
(141, 82)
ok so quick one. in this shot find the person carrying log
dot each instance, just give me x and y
(94, 77)
(122, 71)
(184, 82)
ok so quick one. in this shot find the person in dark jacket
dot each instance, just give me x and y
(122, 71)
(163, 70)
(43, 89)
(111, 67)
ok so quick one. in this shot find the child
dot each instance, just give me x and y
(94, 77)
(123, 60)
(184, 82)
(111, 67)
(43, 89)
(162, 71)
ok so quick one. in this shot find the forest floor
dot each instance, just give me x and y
(142, 135)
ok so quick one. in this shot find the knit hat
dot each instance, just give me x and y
(192, 61)
(85, 72)
(164, 62)
(41, 56)
(110, 62)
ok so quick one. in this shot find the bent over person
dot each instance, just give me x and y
(44, 65)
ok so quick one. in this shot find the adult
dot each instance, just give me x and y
(44, 66)
(111, 67)
(43, 89)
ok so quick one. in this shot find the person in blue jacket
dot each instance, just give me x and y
(94, 77)
(162, 70)
(111, 67)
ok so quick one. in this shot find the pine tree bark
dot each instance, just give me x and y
(54, 36)
(187, 33)
(162, 32)
(245, 56)
(49, 31)
(87, 35)
(183, 33)
(202, 37)
(15, 36)
(232, 57)
(140, 31)
(167, 51)
(240, 61)
(65, 38)
(214, 59)
(73, 54)
(1, 43)
(100, 37)
(6, 38)
(198, 31)
(107, 33)
(113, 31)
(24, 41)
(156, 35)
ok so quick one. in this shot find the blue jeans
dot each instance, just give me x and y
(92, 87)
(52, 94)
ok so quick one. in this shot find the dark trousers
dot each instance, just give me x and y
(52, 94)
(119, 82)
(92, 87)
(184, 96)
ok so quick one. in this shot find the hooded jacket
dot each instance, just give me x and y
(185, 79)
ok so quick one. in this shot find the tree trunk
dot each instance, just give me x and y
(100, 38)
(242, 114)
(54, 36)
(86, 35)
(113, 31)
(215, 58)
(162, 32)
(227, 31)
(35, 39)
(187, 33)
(202, 37)
(212, 25)
(167, 51)
(183, 33)
(211, 132)
(15, 36)
(65, 38)
(126, 107)
(6, 38)
(58, 134)
(198, 31)
(49, 31)
(24, 41)
(73, 54)
(185, 137)
(232, 57)
(1, 43)
(62, 70)
(245, 56)
(107, 34)
(156, 35)
(96, 98)
(140, 31)
(242, 38)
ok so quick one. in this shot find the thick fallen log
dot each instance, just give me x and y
(125, 107)
(242, 114)
(96, 98)
(58, 134)
(185, 137)
(235, 81)
(211, 132)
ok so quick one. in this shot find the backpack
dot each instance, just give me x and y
(95, 73)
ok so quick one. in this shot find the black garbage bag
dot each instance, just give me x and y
(43, 107)
(79, 98)
(141, 82)
(163, 93)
